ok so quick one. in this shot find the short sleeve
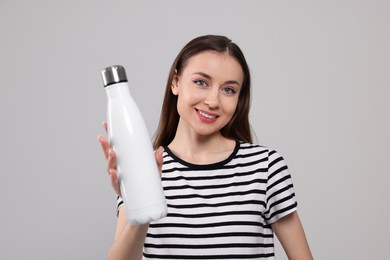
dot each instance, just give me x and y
(119, 204)
(280, 196)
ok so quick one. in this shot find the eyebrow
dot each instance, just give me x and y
(209, 78)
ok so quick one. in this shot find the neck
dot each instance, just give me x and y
(200, 149)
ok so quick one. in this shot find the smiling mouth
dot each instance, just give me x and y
(206, 115)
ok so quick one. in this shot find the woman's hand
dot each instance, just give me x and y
(110, 156)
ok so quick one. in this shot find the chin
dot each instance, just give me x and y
(208, 132)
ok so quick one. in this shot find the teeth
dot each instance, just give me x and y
(206, 115)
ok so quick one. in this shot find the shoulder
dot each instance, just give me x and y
(272, 156)
(251, 147)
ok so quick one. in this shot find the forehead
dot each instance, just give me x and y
(215, 64)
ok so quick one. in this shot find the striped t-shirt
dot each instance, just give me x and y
(222, 210)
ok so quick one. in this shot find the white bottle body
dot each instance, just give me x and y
(139, 179)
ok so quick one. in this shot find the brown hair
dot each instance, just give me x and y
(238, 128)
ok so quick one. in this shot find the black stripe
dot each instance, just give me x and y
(212, 196)
(275, 162)
(250, 154)
(210, 246)
(206, 225)
(290, 197)
(278, 181)
(211, 166)
(211, 235)
(283, 210)
(166, 161)
(271, 153)
(215, 205)
(214, 214)
(283, 168)
(244, 145)
(217, 186)
(254, 256)
(212, 177)
(204, 167)
(277, 192)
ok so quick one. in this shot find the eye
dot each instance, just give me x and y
(229, 90)
(200, 83)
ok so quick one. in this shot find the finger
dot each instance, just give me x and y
(111, 161)
(105, 146)
(115, 181)
(159, 158)
(105, 126)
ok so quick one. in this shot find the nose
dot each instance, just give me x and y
(212, 98)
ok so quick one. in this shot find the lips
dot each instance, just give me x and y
(207, 116)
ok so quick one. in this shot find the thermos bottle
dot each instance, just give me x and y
(139, 179)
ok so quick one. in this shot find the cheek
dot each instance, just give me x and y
(231, 106)
(184, 103)
(191, 97)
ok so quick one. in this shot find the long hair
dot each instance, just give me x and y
(238, 127)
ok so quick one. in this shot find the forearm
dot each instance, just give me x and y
(291, 235)
(129, 244)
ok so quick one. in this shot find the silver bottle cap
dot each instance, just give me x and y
(113, 74)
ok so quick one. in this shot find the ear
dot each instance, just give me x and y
(175, 84)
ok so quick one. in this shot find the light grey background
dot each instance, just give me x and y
(320, 97)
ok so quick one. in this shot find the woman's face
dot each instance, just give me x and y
(208, 89)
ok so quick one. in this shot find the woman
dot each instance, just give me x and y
(226, 196)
